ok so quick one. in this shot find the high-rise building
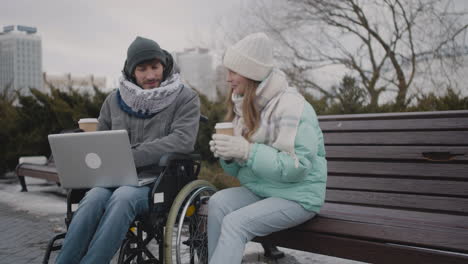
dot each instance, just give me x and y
(81, 83)
(20, 58)
(222, 86)
(196, 68)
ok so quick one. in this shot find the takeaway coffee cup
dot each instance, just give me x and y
(88, 124)
(225, 128)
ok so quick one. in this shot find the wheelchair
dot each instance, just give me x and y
(174, 229)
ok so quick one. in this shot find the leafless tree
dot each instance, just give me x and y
(384, 43)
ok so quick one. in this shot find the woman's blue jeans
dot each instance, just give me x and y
(100, 223)
(237, 215)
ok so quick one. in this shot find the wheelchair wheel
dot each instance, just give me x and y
(139, 247)
(185, 239)
(127, 254)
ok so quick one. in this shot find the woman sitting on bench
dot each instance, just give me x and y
(277, 153)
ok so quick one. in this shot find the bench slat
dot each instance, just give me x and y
(420, 186)
(399, 124)
(455, 138)
(401, 115)
(38, 171)
(444, 239)
(393, 152)
(398, 215)
(367, 251)
(436, 170)
(417, 202)
(39, 168)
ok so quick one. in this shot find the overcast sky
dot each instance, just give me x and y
(91, 37)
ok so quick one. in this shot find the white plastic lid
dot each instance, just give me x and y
(224, 125)
(88, 120)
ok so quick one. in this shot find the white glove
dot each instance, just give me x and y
(213, 149)
(236, 147)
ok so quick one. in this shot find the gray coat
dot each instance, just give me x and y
(174, 129)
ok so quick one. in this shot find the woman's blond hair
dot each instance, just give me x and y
(249, 110)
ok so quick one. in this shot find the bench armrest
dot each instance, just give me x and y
(38, 160)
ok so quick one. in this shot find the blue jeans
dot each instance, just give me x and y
(100, 223)
(236, 216)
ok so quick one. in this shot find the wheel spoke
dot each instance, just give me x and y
(186, 233)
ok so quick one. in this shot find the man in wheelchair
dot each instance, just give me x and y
(161, 115)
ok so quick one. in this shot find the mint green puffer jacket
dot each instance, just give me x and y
(269, 172)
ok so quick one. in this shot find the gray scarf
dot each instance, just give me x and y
(153, 101)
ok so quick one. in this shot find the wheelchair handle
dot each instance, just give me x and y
(203, 119)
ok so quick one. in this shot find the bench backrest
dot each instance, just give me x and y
(412, 161)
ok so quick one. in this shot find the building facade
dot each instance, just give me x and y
(81, 83)
(20, 58)
(197, 71)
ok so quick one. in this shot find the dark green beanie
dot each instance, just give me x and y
(143, 49)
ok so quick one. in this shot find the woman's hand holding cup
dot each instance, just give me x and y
(213, 149)
(229, 147)
(225, 128)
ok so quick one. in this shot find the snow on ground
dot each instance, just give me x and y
(48, 200)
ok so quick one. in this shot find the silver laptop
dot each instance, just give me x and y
(95, 159)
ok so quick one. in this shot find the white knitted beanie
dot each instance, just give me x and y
(251, 57)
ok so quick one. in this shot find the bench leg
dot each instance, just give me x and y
(23, 184)
(271, 251)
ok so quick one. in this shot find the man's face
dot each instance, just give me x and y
(149, 75)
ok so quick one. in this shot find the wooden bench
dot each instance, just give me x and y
(397, 190)
(46, 171)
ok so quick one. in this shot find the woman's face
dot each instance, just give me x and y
(237, 82)
(149, 75)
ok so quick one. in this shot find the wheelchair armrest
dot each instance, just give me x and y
(71, 130)
(167, 162)
(167, 158)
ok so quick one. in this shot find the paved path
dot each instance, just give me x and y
(28, 220)
(24, 236)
